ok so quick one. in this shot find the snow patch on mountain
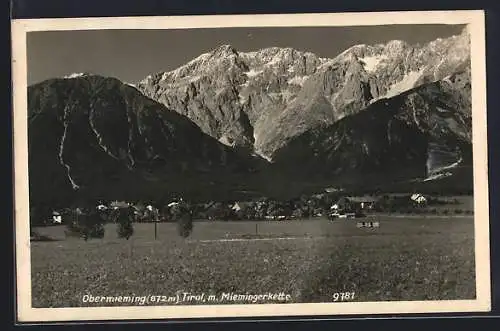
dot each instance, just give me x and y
(265, 157)
(62, 161)
(448, 167)
(284, 96)
(253, 73)
(438, 176)
(298, 80)
(196, 62)
(371, 63)
(407, 83)
(276, 60)
(325, 64)
(226, 141)
(242, 99)
(447, 79)
(76, 75)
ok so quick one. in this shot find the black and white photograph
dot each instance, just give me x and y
(250, 165)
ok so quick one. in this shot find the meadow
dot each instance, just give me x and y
(417, 258)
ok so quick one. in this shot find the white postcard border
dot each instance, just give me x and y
(476, 25)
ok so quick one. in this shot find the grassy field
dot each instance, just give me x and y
(465, 203)
(427, 258)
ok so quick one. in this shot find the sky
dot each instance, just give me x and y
(131, 55)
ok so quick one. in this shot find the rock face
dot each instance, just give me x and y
(260, 100)
(422, 133)
(96, 135)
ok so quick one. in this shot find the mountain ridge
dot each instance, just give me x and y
(424, 133)
(94, 135)
(228, 120)
(252, 100)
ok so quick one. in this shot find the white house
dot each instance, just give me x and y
(418, 198)
(119, 204)
(236, 207)
(102, 207)
(56, 218)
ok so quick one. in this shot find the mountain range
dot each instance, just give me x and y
(259, 100)
(256, 120)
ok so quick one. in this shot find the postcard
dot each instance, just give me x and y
(292, 165)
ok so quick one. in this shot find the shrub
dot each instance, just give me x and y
(89, 225)
(185, 225)
(73, 228)
(125, 228)
(96, 231)
(92, 226)
(184, 219)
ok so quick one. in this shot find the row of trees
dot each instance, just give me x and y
(90, 224)
(310, 206)
(264, 207)
(404, 204)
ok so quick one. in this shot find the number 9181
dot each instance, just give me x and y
(343, 296)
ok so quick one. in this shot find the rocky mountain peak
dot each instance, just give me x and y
(224, 50)
(78, 75)
(260, 99)
(396, 46)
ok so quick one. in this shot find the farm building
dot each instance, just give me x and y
(241, 205)
(101, 207)
(173, 203)
(56, 218)
(347, 204)
(236, 207)
(364, 202)
(343, 204)
(333, 189)
(150, 214)
(118, 204)
(418, 198)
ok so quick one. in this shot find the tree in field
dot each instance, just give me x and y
(86, 223)
(94, 226)
(184, 218)
(247, 212)
(125, 220)
(185, 225)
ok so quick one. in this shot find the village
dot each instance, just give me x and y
(327, 205)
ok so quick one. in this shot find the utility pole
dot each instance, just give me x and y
(156, 232)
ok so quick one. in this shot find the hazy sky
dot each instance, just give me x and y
(131, 55)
